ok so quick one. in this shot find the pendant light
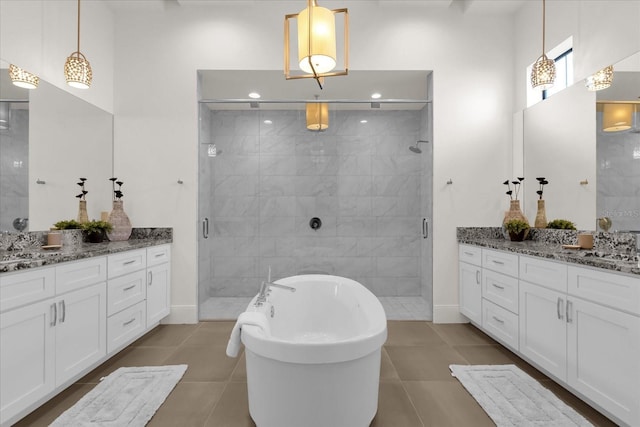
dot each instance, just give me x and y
(543, 72)
(317, 42)
(317, 116)
(77, 70)
(600, 80)
(617, 117)
(23, 78)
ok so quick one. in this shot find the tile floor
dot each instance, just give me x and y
(416, 388)
(396, 308)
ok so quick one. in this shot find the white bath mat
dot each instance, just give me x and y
(512, 398)
(127, 397)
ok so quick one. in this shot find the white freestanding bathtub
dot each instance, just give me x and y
(317, 364)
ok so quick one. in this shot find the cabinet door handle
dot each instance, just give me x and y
(497, 319)
(53, 312)
(63, 311)
(478, 277)
(150, 278)
(128, 322)
(498, 286)
(560, 308)
(128, 288)
(129, 262)
(569, 310)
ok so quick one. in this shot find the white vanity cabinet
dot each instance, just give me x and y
(59, 322)
(158, 283)
(470, 280)
(581, 325)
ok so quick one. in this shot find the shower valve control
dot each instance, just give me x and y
(315, 223)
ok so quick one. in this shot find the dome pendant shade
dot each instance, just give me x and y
(77, 71)
(316, 40)
(600, 80)
(543, 73)
(617, 117)
(23, 78)
(318, 116)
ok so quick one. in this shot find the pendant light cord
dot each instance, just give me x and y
(543, 26)
(78, 26)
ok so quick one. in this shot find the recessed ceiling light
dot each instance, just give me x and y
(267, 122)
(375, 95)
(254, 95)
(363, 121)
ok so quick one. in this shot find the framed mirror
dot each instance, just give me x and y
(591, 173)
(52, 139)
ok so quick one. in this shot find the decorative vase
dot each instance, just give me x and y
(517, 237)
(541, 216)
(120, 222)
(514, 212)
(97, 237)
(82, 212)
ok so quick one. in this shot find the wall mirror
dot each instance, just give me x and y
(591, 173)
(52, 138)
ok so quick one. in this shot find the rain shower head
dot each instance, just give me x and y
(415, 148)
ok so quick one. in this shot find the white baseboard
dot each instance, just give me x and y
(181, 314)
(448, 314)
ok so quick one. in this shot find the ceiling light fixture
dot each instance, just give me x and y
(617, 117)
(4, 115)
(317, 116)
(543, 72)
(254, 95)
(316, 41)
(77, 70)
(23, 78)
(600, 80)
(376, 95)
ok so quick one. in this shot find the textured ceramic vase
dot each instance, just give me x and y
(514, 212)
(541, 216)
(82, 212)
(120, 222)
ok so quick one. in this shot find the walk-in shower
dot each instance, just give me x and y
(371, 195)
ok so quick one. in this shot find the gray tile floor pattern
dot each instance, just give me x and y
(396, 308)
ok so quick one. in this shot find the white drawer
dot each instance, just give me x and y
(500, 289)
(124, 327)
(127, 262)
(500, 324)
(502, 262)
(25, 287)
(79, 274)
(470, 254)
(158, 255)
(549, 274)
(618, 291)
(125, 291)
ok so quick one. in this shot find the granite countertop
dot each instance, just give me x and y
(598, 257)
(35, 256)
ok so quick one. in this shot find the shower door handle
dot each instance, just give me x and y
(425, 228)
(205, 228)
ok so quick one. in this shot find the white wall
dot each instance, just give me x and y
(156, 112)
(39, 35)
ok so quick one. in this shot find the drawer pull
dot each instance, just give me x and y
(498, 286)
(559, 307)
(128, 322)
(159, 254)
(128, 288)
(498, 319)
(129, 262)
(468, 253)
(54, 314)
(497, 262)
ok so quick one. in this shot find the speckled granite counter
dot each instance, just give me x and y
(24, 250)
(611, 251)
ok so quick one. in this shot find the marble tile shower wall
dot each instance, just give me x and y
(618, 175)
(14, 169)
(205, 202)
(360, 179)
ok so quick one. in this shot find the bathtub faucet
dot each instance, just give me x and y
(264, 290)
